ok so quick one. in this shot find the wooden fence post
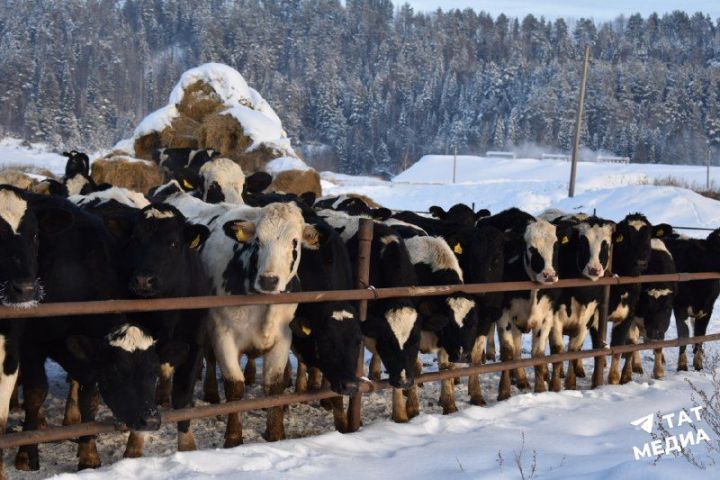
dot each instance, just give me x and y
(365, 235)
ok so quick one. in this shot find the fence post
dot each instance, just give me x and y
(578, 123)
(599, 370)
(365, 235)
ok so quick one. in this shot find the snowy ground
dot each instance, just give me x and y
(580, 434)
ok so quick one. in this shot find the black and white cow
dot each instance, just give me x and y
(459, 214)
(172, 160)
(630, 257)
(223, 181)
(77, 178)
(251, 250)
(75, 259)
(531, 252)
(392, 327)
(694, 301)
(354, 204)
(586, 254)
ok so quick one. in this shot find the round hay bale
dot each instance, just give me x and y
(17, 179)
(182, 133)
(297, 182)
(146, 145)
(199, 100)
(224, 134)
(365, 199)
(127, 172)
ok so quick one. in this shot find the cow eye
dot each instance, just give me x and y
(173, 244)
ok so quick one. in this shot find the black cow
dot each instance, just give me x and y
(694, 301)
(173, 160)
(77, 163)
(459, 214)
(77, 260)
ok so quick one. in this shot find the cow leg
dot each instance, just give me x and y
(683, 331)
(35, 388)
(399, 406)
(287, 375)
(619, 336)
(72, 404)
(614, 374)
(636, 362)
(183, 384)
(228, 355)
(477, 356)
(301, 379)
(211, 393)
(315, 381)
(15, 398)
(556, 346)
(164, 387)
(412, 405)
(491, 353)
(325, 402)
(599, 362)
(539, 344)
(701, 324)
(520, 373)
(89, 399)
(135, 444)
(507, 353)
(447, 388)
(8, 384)
(658, 368)
(375, 367)
(250, 372)
(629, 365)
(274, 384)
(340, 418)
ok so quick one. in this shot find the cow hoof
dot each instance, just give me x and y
(186, 442)
(400, 419)
(233, 441)
(211, 398)
(625, 379)
(555, 385)
(697, 363)
(523, 384)
(503, 395)
(682, 368)
(478, 400)
(658, 375)
(89, 464)
(638, 369)
(273, 436)
(133, 453)
(25, 463)
(540, 387)
(449, 408)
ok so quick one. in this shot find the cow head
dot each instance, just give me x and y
(631, 245)
(541, 251)
(125, 364)
(594, 237)
(459, 214)
(223, 181)
(78, 163)
(274, 240)
(19, 242)
(162, 250)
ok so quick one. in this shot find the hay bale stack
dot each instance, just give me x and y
(181, 133)
(16, 178)
(297, 182)
(145, 145)
(199, 100)
(126, 172)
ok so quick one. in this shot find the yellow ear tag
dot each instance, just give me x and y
(306, 330)
(195, 243)
(187, 185)
(619, 239)
(565, 240)
(240, 235)
(458, 249)
(660, 233)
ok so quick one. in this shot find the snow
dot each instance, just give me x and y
(261, 128)
(154, 122)
(281, 164)
(575, 434)
(15, 152)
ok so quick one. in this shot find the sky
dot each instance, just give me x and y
(597, 9)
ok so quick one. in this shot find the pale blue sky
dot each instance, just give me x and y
(598, 9)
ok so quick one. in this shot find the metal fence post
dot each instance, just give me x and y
(365, 235)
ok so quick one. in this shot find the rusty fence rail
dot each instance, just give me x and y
(363, 294)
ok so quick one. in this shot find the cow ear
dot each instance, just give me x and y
(188, 180)
(308, 198)
(257, 182)
(438, 212)
(52, 221)
(66, 154)
(301, 327)
(82, 347)
(195, 235)
(381, 214)
(311, 237)
(173, 352)
(662, 230)
(241, 231)
(482, 213)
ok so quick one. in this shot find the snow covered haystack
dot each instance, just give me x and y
(212, 106)
(127, 172)
(292, 175)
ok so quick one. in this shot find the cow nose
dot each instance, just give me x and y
(144, 283)
(268, 283)
(594, 272)
(549, 277)
(21, 290)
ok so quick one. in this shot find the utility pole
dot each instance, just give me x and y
(578, 123)
(707, 167)
(454, 164)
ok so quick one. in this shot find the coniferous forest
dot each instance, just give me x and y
(367, 85)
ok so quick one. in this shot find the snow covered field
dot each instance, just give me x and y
(578, 434)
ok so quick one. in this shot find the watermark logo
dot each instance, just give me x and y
(671, 442)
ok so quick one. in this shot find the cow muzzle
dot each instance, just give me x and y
(547, 277)
(268, 283)
(144, 285)
(593, 272)
(20, 291)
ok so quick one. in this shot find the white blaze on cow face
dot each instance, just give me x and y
(637, 224)
(460, 307)
(130, 338)
(540, 239)
(229, 177)
(659, 292)
(279, 233)
(401, 321)
(341, 315)
(12, 209)
(158, 214)
(596, 236)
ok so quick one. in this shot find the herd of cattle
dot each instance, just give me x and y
(211, 231)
